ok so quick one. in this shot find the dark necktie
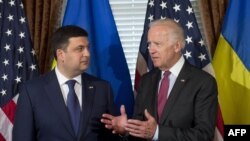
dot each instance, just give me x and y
(163, 93)
(73, 105)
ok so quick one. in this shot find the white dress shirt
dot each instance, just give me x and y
(65, 89)
(175, 70)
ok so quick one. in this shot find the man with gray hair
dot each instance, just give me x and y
(175, 101)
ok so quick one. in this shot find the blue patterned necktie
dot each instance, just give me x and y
(73, 106)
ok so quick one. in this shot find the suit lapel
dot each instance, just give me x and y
(88, 94)
(54, 94)
(176, 91)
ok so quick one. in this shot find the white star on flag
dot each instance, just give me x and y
(18, 79)
(189, 39)
(163, 5)
(189, 25)
(177, 7)
(22, 20)
(5, 77)
(8, 32)
(189, 10)
(202, 57)
(188, 54)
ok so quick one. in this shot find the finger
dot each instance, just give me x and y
(136, 134)
(141, 134)
(106, 121)
(108, 116)
(123, 110)
(133, 130)
(135, 122)
(109, 126)
(132, 126)
(147, 114)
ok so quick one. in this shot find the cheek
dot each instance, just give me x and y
(70, 59)
(166, 55)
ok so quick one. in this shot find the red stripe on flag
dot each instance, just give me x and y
(9, 109)
(220, 122)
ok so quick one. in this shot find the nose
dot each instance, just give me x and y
(86, 52)
(151, 49)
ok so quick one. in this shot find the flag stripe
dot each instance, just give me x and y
(6, 127)
(220, 127)
(9, 109)
(218, 136)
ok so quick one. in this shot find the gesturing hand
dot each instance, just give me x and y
(143, 129)
(116, 124)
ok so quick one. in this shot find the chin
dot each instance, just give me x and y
(156, 64)
(84, 69)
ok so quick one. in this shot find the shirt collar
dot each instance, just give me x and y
(62, 79)
(176, 68)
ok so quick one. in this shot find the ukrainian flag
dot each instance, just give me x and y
(232, 63)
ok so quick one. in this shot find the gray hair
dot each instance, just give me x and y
(178, 31)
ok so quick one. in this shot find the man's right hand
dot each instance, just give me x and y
(116, 124)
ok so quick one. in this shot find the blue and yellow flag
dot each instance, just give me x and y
(232, 64)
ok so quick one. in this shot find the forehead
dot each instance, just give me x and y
(78, 40)
(166, 27)
(158, 31)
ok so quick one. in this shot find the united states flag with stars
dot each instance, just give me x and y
(195, 51)
(17, 61)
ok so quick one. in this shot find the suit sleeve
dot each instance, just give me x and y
(107, 134)
(203, 124)
(24, 122)
(111, 104)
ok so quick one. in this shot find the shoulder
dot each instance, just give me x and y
(197, 71)
(93, 79)
(44, 78)
(153, 76)
(152, 73)
(197, 75)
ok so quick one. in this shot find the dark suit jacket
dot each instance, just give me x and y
(42, 113)
(191, 109)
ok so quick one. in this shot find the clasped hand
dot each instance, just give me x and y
(122, 125)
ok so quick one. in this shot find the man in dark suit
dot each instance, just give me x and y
(188, 110)
(65, 104)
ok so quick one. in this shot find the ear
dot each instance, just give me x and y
(177, 47)
(60, 55)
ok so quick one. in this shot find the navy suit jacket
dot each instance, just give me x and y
(42, 114)
(191, 108)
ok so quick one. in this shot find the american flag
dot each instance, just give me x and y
(195, 50)
(17, 61)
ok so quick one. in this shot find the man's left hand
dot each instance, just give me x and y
(143, 129)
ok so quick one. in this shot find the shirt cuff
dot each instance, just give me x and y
(156, 135)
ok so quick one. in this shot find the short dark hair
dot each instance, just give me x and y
(60, 38)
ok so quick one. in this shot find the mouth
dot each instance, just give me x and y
(85, 62)
(154, 58)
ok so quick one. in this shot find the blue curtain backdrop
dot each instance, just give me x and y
(107, 57)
